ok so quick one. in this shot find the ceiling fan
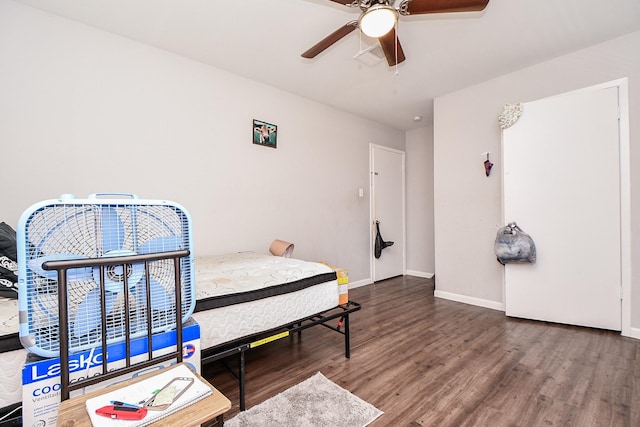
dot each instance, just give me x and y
(379, 18)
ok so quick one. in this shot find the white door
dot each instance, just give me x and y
(387, 184)
(562, 186)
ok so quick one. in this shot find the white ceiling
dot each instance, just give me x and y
(263, 40)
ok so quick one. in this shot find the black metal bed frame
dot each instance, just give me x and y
(235, 347)
(240, 346)
(62, 266)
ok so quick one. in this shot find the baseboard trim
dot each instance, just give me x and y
(419, 274)
(353, 285)
(469, 300)
(635, 333)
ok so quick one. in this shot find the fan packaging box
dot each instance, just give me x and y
(41, 377)
(343, 282)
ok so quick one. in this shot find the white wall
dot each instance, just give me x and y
(85, 111)
(419, 176)
(468, 204)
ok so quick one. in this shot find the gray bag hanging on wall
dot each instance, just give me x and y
(514, 245)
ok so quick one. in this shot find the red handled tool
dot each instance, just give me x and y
(122, 412)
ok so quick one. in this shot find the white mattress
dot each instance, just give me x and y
(11, 362)
(246, 272)
(9, 322)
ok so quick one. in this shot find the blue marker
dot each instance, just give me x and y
(118, 403)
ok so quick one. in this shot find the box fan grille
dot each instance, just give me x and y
(97, 227)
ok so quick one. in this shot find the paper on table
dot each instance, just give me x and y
(140, 392)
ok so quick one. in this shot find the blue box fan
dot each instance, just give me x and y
(103, 225)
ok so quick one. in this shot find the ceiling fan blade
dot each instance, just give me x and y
(344, 2)
(330, 39)
(418, 7)
(389, 42)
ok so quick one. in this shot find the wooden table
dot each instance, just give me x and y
(73, 412)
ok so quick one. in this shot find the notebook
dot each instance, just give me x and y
(139, 393)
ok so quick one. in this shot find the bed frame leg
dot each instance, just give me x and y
(347, 337)
(241, 380)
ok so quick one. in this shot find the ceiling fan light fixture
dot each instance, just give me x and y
(378, 20)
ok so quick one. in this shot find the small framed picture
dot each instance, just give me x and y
(264, 133)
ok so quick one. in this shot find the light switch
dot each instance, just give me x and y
(360, 192)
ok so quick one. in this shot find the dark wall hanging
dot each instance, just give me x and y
(380, 243)
(487, 165)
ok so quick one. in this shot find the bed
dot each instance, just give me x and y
(248, 299)
(12, 356)
(244, 293)
(243, 300)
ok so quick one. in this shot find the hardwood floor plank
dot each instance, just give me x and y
(635, 392)
(425, 361)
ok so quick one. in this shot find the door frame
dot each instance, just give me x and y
(372, 216)
(625, 198)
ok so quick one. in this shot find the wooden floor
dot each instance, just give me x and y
(431, 362)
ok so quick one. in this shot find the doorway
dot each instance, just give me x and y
(566, 182)
(387, 169)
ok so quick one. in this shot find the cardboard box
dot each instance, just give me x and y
(41, 376)
(343, 282)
